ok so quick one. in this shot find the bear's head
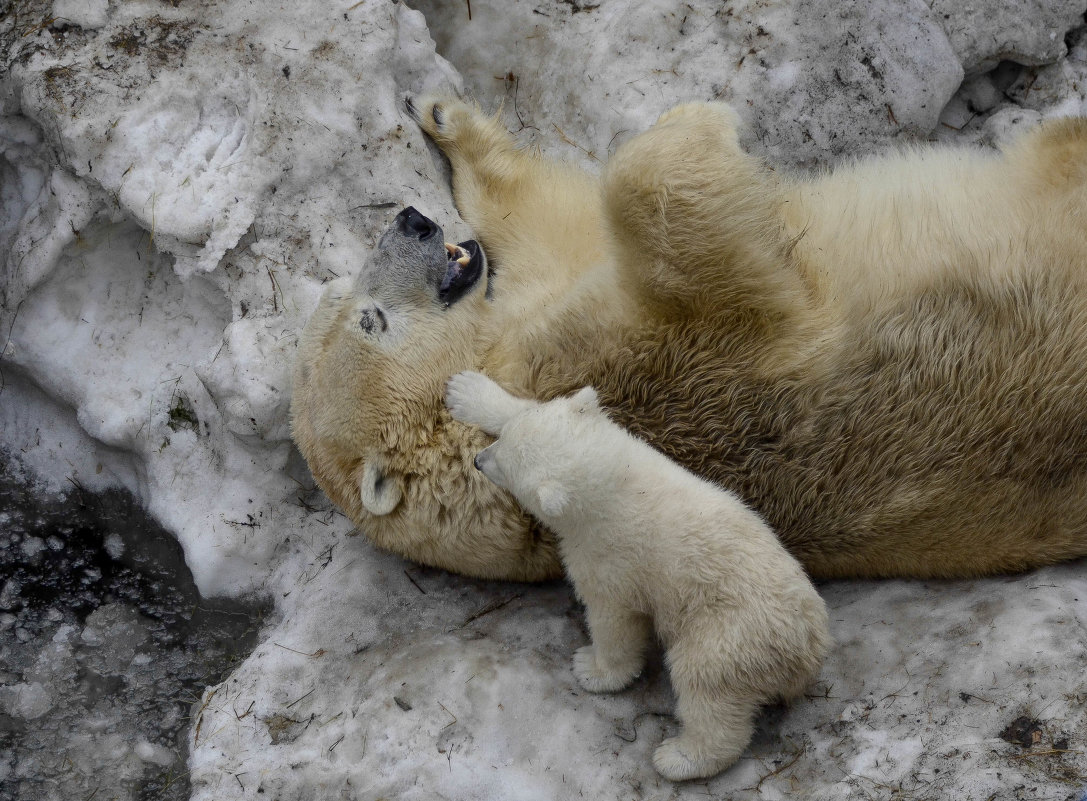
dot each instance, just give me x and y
(373, 357)
(545, 455)
(367, 411)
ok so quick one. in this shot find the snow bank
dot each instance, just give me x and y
(815, 81)
(179, 180)
(179, 184)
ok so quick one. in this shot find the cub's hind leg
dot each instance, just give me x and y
(717, 728)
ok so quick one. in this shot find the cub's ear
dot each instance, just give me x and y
(378, 490)
(552, 498)
(585, 400)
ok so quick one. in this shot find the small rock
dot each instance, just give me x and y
(1024, 731)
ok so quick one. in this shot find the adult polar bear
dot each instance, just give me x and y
(889, 362)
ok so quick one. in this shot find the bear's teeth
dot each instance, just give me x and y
(458, 254)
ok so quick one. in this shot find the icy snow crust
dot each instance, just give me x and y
(178, 180)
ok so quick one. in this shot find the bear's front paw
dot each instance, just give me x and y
(674, 761)
(596, 679)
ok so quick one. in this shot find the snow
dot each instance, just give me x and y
(178, 182)
(89, 14)
(27, 701)
(1029, 33)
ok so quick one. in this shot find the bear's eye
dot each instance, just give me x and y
(373, 319)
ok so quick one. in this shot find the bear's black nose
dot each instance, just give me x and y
(476, 462)
(412, 223)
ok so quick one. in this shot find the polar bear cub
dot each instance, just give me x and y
(646, 544)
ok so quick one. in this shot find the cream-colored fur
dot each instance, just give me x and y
(647, 546)
(886, 361)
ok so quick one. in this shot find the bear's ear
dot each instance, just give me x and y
(552, 498)
(379, 491)
(585, 400)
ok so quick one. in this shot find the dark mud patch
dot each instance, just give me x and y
(105, 645)
(1024, 731)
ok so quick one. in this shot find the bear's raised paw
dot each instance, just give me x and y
(444, 118)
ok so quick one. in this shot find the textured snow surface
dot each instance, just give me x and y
(177, 182)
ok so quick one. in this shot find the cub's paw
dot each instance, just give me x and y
(444, 118)
(674, 760)
(465, 395)
(476, 400)
(596, 679)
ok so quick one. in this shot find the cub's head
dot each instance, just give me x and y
(546, 455)
(373, 359)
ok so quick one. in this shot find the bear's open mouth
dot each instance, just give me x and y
(463, 270)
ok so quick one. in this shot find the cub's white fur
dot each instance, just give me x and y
(648, 544)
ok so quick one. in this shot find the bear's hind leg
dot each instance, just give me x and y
(717, 727)
(695, 218)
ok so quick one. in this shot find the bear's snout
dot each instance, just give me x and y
(413, 224)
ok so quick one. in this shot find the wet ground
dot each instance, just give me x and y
(105, 646)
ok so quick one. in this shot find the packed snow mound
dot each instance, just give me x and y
(814, 81)
(1031, 33)
(179, 180)
(179, 183)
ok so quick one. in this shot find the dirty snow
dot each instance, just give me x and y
(177, 182)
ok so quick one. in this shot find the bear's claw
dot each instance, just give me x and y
(440, 116)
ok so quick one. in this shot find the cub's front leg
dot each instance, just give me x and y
(694, 218)
(617, 653)
(475, 399)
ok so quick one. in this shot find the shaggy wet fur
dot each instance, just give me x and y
(887, 361)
